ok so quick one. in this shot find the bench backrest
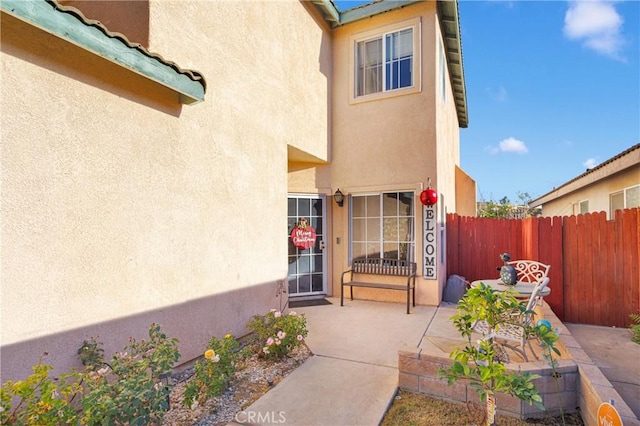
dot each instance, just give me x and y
(530, 271)
(379, 266)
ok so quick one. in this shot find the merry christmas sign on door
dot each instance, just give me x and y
(303, 235)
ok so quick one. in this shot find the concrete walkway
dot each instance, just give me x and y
(617, 357)
(353, 375)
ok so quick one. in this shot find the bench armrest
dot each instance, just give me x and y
(350, 271)
(410, 278)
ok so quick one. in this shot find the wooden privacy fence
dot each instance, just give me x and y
(595, 263)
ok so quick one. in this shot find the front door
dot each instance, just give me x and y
(307, 266)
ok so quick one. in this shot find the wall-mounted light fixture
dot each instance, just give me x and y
(339, 197)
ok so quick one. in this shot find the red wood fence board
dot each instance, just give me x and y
(569, 240)
(595, 263)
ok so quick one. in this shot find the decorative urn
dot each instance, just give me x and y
(507, 272)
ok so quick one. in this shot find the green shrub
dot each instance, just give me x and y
(91, 353)
(41, 400)
(635, 328)
(129, 389)
(278, 333)
(212, 374)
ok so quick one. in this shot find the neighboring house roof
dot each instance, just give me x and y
(627, 158)
(449, 20)
(68, 23)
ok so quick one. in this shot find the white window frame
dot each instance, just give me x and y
(626, 196)
(416, 70)
(585, 204)
(577, 207)
(411, 248)
(625, 203)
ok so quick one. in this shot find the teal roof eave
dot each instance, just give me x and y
(66, 26)
(336, 18)
(452, 38)
(371, 9)
(329, 11)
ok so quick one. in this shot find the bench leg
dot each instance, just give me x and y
(408, 297)
(341, 294)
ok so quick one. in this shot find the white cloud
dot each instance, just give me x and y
(597, 24)
(508, 145)
(510, 4)
(590, 163)
(499, 94)
(513, 145)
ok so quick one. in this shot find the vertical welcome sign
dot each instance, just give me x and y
(430, 257)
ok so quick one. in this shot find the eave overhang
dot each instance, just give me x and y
(70, 25)
(625, 160)
(449, 21)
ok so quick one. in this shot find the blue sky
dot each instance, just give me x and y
(553, 88)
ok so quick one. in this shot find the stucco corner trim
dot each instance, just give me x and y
(70, 25)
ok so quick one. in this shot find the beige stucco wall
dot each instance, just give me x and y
(466, 204)
(389, 144)
(448, 152)
(121, 208)
(596, 193)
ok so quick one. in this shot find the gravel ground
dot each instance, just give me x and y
(255, 376)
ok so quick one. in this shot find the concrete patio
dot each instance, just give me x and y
(353, 375)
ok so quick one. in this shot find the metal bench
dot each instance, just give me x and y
(381, 266)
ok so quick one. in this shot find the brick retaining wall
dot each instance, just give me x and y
(581, 385)
(418, 372)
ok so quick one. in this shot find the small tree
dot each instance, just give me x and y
(483, 365)
(505, 209)
(491, 209)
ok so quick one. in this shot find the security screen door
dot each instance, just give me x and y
(307, 266)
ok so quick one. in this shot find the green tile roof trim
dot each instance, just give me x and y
(69, 24)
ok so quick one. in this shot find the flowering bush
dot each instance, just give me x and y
(213, 372)
(278, 333)
(128, 390)
(41, 400)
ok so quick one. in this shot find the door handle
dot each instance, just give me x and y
(321, 244)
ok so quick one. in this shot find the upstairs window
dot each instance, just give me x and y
(396, 53)
(386, 60)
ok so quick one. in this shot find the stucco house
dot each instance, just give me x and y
(612, 185)
(137, 190)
